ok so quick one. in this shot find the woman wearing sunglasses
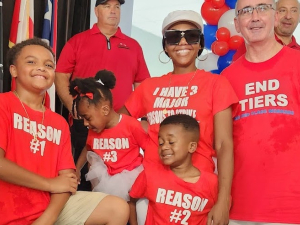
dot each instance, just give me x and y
(187, 90)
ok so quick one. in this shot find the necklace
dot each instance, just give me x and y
(34, 134)
(165, 111)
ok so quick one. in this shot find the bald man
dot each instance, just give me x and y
(288, 15)
(266, 126)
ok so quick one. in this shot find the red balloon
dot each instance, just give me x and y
(212, 15)
(218, 3)
(212, 47)
(235, 42)
(220, 48)
(223, 34)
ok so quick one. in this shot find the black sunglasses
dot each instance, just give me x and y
(173, 37)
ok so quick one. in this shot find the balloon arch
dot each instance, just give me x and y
(219, 34)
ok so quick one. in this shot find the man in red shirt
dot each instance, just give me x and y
(103, 46)
(266, 182)
(289, 14)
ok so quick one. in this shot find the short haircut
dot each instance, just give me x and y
(280, 0)
(273, 2)
(189, 123)
(15, 51)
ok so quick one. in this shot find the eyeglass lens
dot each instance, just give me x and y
(261, 8)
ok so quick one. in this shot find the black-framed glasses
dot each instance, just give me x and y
(260, 9)
(173, 37)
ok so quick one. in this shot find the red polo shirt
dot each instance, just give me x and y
(90, 51)
(242, 49)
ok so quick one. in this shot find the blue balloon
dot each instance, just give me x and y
(225, 60)
(231, 3)
(217, 72)
(209, 35)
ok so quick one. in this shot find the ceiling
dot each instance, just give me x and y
(148, 15)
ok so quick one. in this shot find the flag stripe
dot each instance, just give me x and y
(49, 35)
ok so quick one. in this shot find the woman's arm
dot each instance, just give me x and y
(124, 110)
(223, 144)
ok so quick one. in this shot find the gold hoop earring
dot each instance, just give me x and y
(161, 60)
(201, 60)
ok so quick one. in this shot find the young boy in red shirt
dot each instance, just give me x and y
(178, 192)
(37, 173)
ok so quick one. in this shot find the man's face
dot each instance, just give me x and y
(256, 24)
(109, 13)
(288, 17)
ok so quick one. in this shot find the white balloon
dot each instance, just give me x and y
(227, 20)
(210, 62)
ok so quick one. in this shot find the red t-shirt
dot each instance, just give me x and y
(119, 146)
(90, 51)
(266, 131)
(242, 49)
(201, 97)
(173, 200)
(21, 205)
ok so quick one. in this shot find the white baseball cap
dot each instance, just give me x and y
(182, 15)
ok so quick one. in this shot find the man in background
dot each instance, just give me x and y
(103, 46)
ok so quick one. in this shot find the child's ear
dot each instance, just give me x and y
(13, 70)
(193, 147)
(105, 109)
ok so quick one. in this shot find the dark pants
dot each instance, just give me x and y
(79, 134)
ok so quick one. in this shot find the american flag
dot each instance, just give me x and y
(22, 25)
(22, 22)
(50, 35)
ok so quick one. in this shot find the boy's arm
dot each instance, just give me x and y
(224, 148)
(12, 173)
(57, 203)
(81, 162)
(132, 207)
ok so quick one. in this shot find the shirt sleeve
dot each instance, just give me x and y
(142, 70)
(65, 158)
(140, 135)
(67, 59)
(223, 95)
(135, 102)
(138, 189)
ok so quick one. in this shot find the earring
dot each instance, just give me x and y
(161, 60)
(205, 58)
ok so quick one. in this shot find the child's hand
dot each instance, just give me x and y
(66, 182)
(78, 175)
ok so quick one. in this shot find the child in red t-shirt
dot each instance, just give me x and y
(37, 173)
(178, 192)
(114, 140)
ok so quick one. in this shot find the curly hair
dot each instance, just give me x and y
(94, 89)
